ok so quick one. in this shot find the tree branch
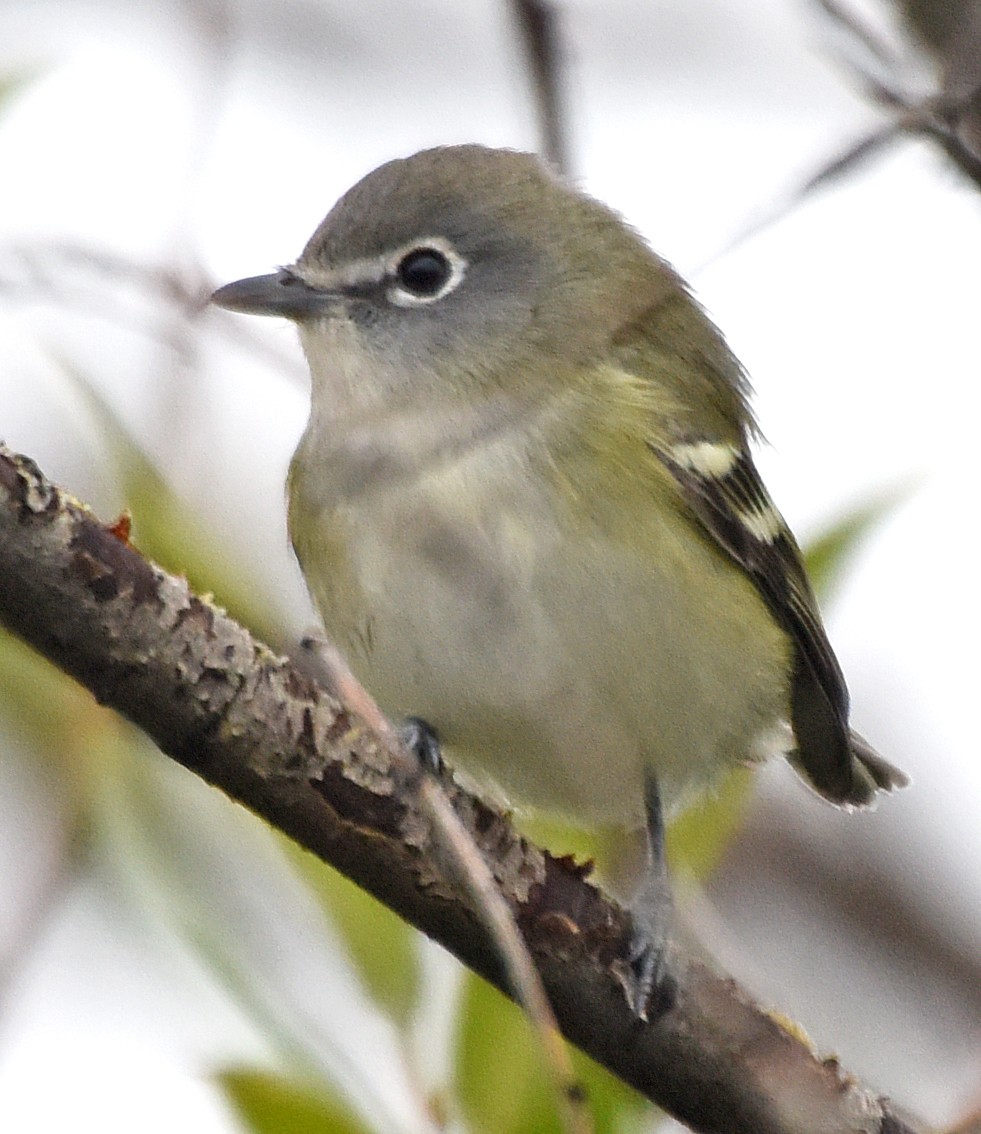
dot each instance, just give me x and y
(248, 722)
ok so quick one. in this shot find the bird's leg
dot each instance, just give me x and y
(652, 988)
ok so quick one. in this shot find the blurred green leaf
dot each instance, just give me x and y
(615, 1107)
(207, 869)
(698, 838)
(501, 1081)
(165, 529)
(503, 1087)
(380, 943)
(12, 83)
(43, 703)
(270, 1104)
(828, 554)
(69, 734)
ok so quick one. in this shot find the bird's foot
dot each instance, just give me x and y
(650, 988)
(423, 741)
(649, 985)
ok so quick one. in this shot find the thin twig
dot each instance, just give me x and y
(538, 30)
(474, 872)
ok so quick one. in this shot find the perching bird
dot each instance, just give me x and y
(525, 506)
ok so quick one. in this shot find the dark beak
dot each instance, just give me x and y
(281, 293)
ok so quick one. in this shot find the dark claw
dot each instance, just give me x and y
(421, 738)
(651, 990)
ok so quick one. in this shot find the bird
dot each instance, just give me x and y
(526, 508)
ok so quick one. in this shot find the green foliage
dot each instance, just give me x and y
(271, 1104)
(380, 943)
(166, 530)
(42, 703)
(828, 555)
(698, 838)
(12, 83)
(502, 1084)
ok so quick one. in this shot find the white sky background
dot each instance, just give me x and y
(856, 317)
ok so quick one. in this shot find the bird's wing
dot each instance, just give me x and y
(721, 486)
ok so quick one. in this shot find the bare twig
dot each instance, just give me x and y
(538, 28)
(942, 42)
(103, 284)
(948, 117)
(523, 979)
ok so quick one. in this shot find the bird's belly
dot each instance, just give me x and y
(555, 672)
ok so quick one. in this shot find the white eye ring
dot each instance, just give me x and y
(435, 262)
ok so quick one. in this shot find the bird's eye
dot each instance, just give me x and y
(424, 272)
